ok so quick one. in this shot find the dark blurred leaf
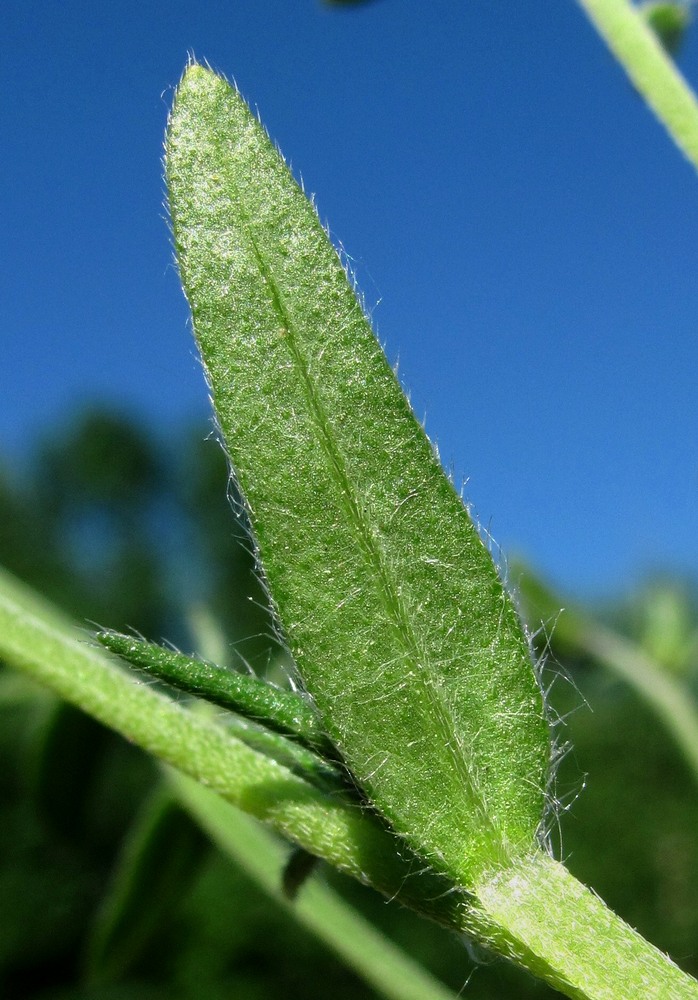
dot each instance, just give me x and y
(158, 860)
(66, 754)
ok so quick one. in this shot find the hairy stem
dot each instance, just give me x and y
(36, 638)
(544, 919)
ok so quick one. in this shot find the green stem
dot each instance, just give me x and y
(673, 702)
(545, 920)
(37, 639)
(650, 69)
(317, 907)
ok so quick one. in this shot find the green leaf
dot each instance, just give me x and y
(156, 865)
(282, 711)
(392, 607)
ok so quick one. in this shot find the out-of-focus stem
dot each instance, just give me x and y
(650, 69)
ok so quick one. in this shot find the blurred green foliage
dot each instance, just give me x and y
(108, 890)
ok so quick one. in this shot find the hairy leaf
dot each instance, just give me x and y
(282, 711)
(401, 629)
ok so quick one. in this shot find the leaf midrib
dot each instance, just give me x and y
(388, 594)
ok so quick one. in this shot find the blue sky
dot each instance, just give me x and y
(523, 232)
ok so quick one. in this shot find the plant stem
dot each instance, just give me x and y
(545, 920)
(672, 701)
(650, 69)
(36, 638)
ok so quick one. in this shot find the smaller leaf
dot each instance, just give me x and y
(305, 763)
(282, 711)
(278, 714)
